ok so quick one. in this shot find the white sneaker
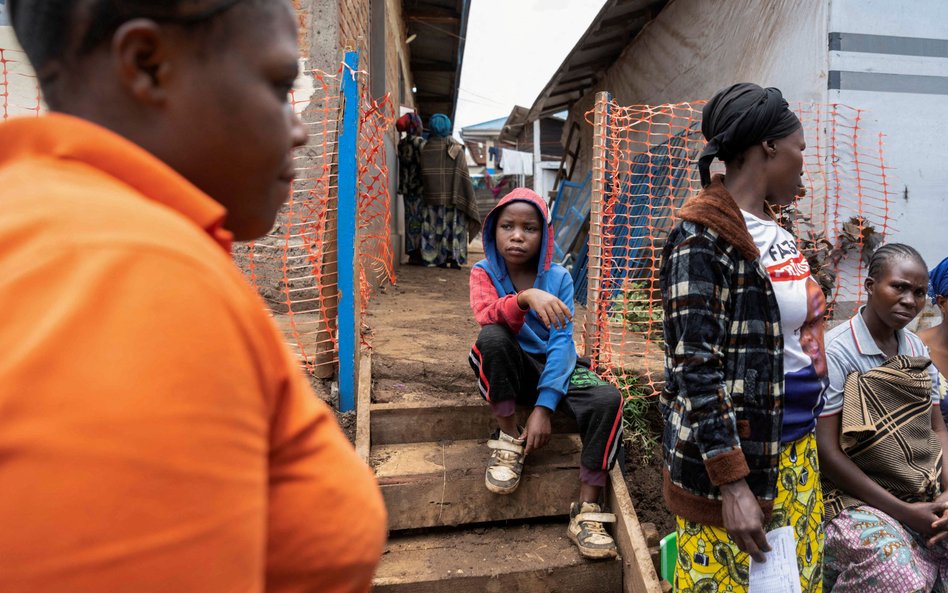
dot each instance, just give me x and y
(505, 464)
(587, 532)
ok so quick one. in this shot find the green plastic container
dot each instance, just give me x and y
(669, 557)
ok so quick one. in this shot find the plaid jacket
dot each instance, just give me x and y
(723, 400)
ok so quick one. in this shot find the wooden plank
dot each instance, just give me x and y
(600, 121)
(534, 558)
(441, 484)
(638, 574)
(364, 406)
(436, 420)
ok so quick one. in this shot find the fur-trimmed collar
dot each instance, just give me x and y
(714, 208)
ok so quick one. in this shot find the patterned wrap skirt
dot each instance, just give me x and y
(709, 562)
(444, 236)
(867, 551)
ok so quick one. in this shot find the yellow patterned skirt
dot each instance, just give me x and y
(709, 562)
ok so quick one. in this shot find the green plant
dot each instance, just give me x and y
(640, 412)
(635, 309)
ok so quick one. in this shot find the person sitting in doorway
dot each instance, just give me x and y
(881, 440)
(525, 355)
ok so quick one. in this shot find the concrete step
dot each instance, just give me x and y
(442, 483)
(535, 558)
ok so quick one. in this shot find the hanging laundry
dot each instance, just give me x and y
(516, 163)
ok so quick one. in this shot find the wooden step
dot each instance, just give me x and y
(536, 558)
(441, 484)
(420, 418)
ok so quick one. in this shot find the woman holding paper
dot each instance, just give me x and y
(743, 354)
(881, 440)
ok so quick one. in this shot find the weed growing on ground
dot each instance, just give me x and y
(639, 411)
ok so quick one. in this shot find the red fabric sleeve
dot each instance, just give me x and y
(490, 308)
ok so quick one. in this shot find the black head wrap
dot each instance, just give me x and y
(739, 117)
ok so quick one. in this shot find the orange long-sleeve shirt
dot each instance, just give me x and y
(155, 433)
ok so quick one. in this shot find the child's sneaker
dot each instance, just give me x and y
(587, 532)
(505, 464)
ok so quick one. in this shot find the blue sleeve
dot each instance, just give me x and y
(560, 354)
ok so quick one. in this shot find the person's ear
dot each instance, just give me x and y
(870, 284)
(941, 301)
(140, 52)
(770, 149)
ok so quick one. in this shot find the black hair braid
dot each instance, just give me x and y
(887, 254)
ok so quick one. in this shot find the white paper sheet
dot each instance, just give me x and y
(779, 574)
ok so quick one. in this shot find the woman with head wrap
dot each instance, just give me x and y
(450, 218)
(744, 358)
(409, 182)
(936, 338)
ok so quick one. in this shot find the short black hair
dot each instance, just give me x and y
(47, 31)
(890, 253)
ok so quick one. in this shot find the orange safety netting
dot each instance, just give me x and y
(295, 267)
(377, 258)
(19, 90)
(644, 168)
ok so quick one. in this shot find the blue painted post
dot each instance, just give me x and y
(347, 326)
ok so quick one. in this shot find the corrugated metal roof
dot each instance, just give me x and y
(610, 33)
(437, 51)
(494, 124)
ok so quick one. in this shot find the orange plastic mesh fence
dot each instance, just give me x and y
(377, 258)
(19, 91)
(294, 267)
(644, 168)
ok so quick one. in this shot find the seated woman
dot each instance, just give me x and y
(880, 442)
(936, 338)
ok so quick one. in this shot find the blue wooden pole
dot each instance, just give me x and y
(348, 234)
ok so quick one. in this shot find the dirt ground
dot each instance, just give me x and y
(421, 331)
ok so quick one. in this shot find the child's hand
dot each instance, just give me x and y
(550, 310)
(538, 429)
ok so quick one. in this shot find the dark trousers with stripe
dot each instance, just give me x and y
(506, 373)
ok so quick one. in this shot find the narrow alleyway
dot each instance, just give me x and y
(421, 331)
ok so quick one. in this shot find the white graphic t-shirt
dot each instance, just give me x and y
(802, 306)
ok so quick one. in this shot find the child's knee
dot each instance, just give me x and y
(493, 337)
(611, 399)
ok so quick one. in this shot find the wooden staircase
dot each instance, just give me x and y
(426, 442)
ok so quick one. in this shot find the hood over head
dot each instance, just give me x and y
(496, 261)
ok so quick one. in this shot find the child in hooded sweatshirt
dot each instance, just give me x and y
(525, 355)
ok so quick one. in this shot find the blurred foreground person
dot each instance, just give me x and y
(156, 434)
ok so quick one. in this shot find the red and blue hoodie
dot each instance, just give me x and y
(494, 301)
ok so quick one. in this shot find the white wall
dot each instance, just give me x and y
(915, 124)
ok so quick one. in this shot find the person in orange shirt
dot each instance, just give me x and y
(156, 434)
